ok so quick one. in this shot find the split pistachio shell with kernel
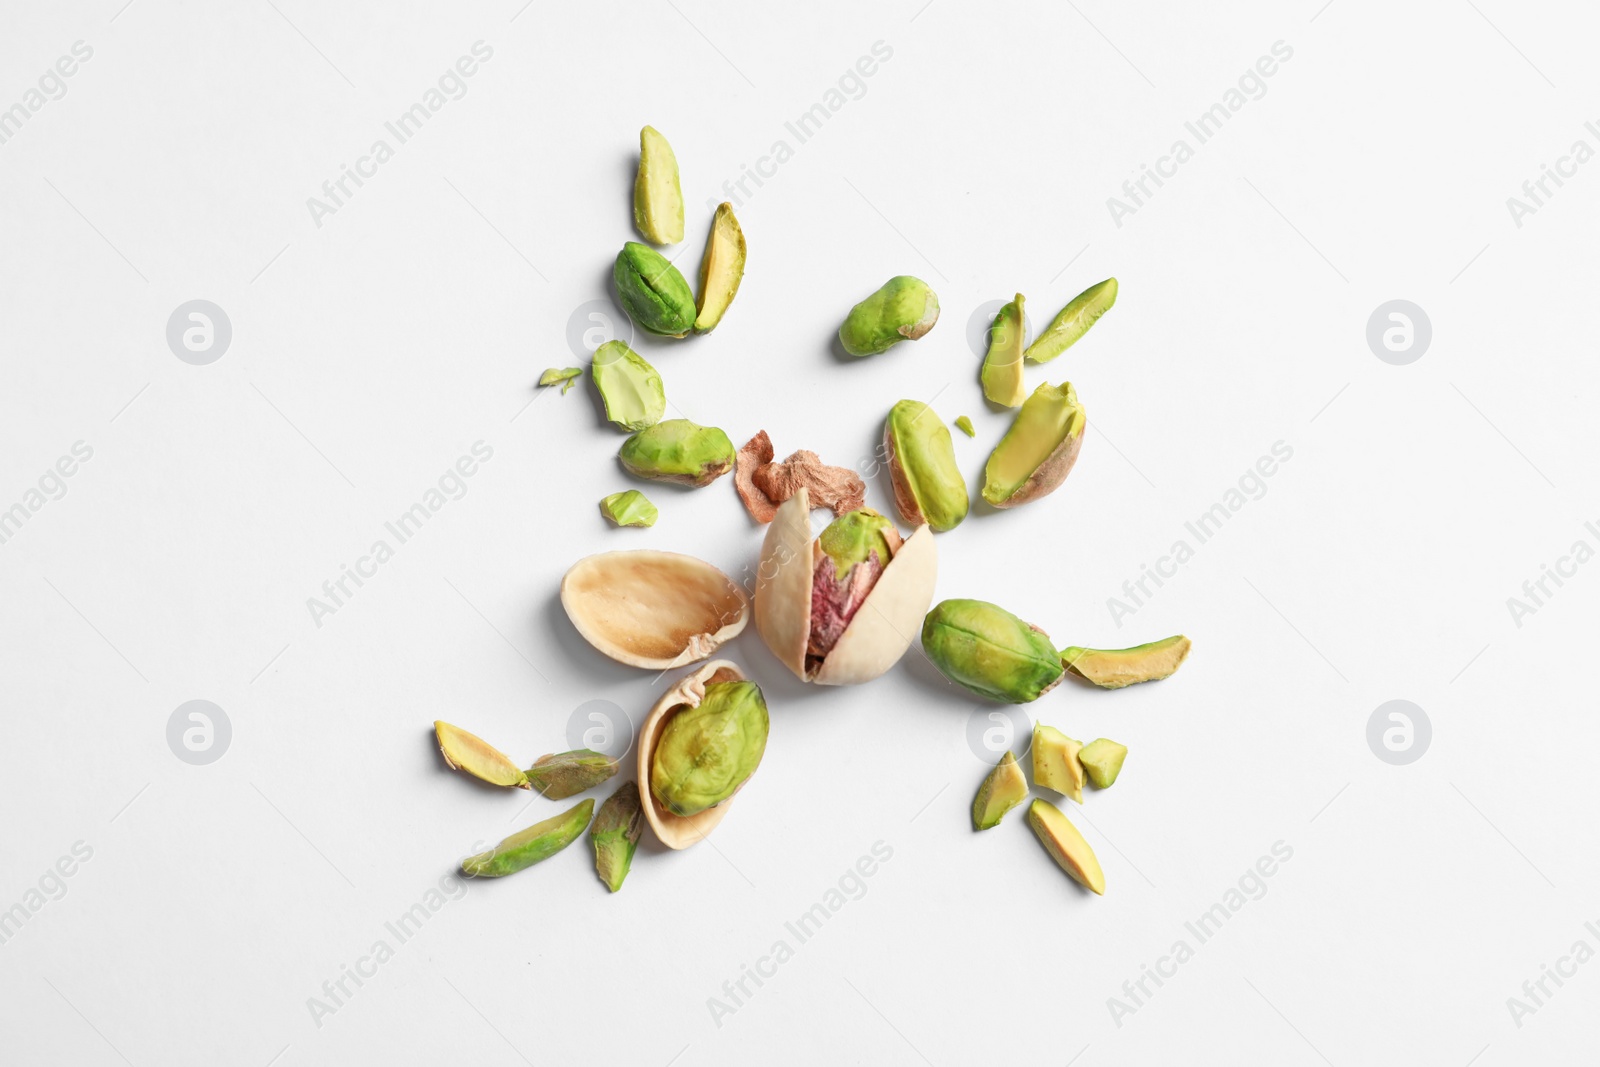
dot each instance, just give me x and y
(704, 754)
(1073, 321)
(629, 386)
(534, 845)
(836, 627)
(990, 651)
(469, 752)
(928, 486)
(657, 194)
(652, 291)
(903, 309)
(1037, 453)
(1002, 364)
(680, 831)
(653, 609)
(678, 450)
(721, 269)
(631, 508)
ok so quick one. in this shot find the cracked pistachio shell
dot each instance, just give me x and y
(678, 450)
(629, 386)
(1038, 451)
(904, 309)
(652, 291)
(705, 754)
(566, 774)
(615, 835)
(468, 752)
(1073, 321)
(721, 269)
(534, 845)
(631, 508)
(679, 831)
(990, 651)
(881, 630)
(928, 486)
(657, 195)
(653, 609)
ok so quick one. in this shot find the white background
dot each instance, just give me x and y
(372, 351)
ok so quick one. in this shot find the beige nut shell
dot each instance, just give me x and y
(680, 831)
(651, 609)
(881, 630)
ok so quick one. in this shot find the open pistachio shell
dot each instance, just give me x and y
(679, 831)
(653, 609)
(881, 629)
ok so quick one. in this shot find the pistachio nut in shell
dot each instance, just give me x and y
(1037, 453)
(653, 609)
(469, 752)
(721, 269)
(704, 754)
(615, 835)
(652, 291)
(794, 612)
(903, 309)
(679, 831)
(534, 845)
(678, 450)
(990, 651)
(928, 486)
(657, 195)
(1073, 321)
(629, 387)
(564, 774)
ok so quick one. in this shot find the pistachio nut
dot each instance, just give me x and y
(566, 377)
(1037, 453)
(928, 487)
(705, 753)
(650, 609)
(904, 309)
(678, 450)
(721, 269)
(526, 847)
(1073, 321)
(1002, 364)
(811, 598)
(629, 386)
(630, 508)
(964, 424)
(1066, 845)
(468, 752)
(1114, 668)
(652, 291)
(990, 651)
(566, 774)
(657, 197)
(1003, 789)
(679, 831)
(615, 835)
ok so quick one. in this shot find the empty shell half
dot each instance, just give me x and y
(681, 831)
(833, 610)
(653, 609)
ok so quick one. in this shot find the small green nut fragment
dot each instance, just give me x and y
(657, 196)
(1055, 762)
(721, 269)
(964, 424)
(1002, 364)
(990, 651)
(631, 508)
(707, 752)
(566, 377)
(678, 450)
(565, 774)
(904, 309)
(468, 752)
(853, 537)
(1038, 451)
(652, 291)
(1002, 790)
(928, 486)
(1102, 758)
(526, 847)
(1115, 668)
(629, 386)
(1073, 321)
(1066, 845)
(615, 835)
